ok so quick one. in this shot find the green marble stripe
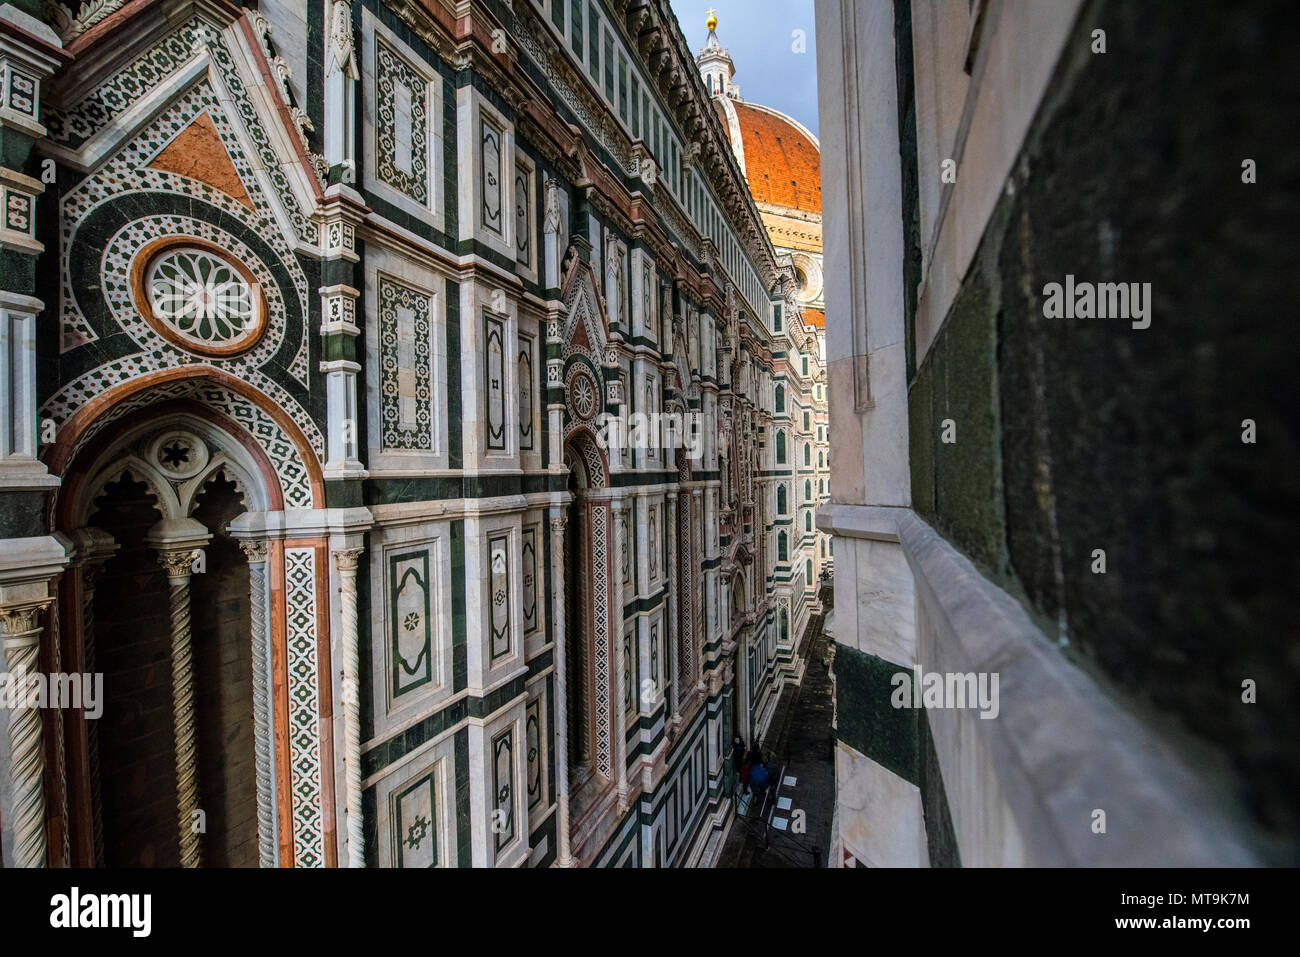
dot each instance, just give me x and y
(540, 663)
(398, 491)
(463, 852)
(867, 722)
(455, 448)
(459, 648)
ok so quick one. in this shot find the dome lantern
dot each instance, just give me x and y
(715, 63)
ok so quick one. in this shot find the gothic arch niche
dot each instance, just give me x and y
(188, 714)
(589, 667)
(737, 603)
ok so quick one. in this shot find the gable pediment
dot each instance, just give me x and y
(111, 99)
(586, 329)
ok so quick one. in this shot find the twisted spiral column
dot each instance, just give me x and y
(20, 625)
(256, 552)
(620, 688)
(698, 614)
(347, 561)
(563, 857)
(60, 735)
(674, 618)
(177, 566)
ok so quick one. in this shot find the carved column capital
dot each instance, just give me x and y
(20, 622)
(255, 549)
(348, 559)
(179, 563)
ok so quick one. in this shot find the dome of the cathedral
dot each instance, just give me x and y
(781, 159)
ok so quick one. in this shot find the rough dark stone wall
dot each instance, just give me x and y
(940, 838)
(223, 687)
(1127, 440)
(132, 649)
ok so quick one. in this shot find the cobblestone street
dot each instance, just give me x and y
(799, 751)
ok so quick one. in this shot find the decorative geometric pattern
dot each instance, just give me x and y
(415, 823)
(128, 172)
(20, 96)
(600, 630)
(629, 671)
(590, 453)
(654, 657)
(533, 739)
(686, 629)
(499, 595)
(531, 620)
(494, 368)
(18, 212)
(411, 617)
(201, 297)
(120, 253)
(652, 531)
(525, 385)
(402, 125)
(405, 366)
(583, 396)
(503, 801)
(625, 554)
(304, 711)
(294, 479)
(523, 215)
(151, 69)
(490, 136)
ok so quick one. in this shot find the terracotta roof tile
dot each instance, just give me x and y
(783, 166)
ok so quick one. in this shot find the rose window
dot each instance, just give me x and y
(583, 392)
(202, 301)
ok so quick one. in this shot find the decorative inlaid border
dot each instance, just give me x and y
(600, 631)
(304, 707)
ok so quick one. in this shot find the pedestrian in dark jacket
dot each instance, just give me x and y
(758, 780)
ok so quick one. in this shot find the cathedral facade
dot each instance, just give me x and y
(410, 426)
(781, 161)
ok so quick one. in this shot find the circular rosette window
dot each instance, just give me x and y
(198, 298)
(584, 399)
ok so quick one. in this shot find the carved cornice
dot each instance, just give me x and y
(68, 25)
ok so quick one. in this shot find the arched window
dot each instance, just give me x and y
(782, 548)
(807, 453)
(780, 400)
(780, 499)
(807, 520)
(821, 460)
(807, 571)
(807, 490)
(780, 448)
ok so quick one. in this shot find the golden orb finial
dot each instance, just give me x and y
(712, 22)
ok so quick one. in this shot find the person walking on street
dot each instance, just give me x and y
(758, 780)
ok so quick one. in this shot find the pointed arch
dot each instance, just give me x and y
(294, 469)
